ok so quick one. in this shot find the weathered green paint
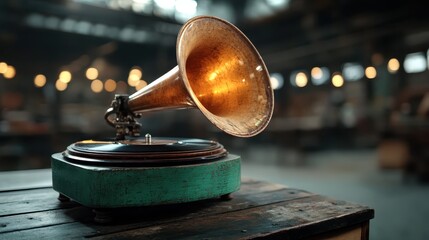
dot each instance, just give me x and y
(111, 187)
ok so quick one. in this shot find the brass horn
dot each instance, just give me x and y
(219, 72)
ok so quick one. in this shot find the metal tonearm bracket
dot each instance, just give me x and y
(122, 118)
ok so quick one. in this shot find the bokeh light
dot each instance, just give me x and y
(97, 86)
(337, 80)
(110, 85)
(10, 72)
(393, 65)
(121, 87)
(91, 73)
(39, 80)
(3, 67)
(65, 76)
(301, 79)
(319, 75)
(141, 84)
(276, 80)
(60, 85)
(316, 73)
(134, 77)
(370, 72)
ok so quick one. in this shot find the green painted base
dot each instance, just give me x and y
(113, 187)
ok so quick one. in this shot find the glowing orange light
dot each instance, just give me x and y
(91, 73)
(97, 86)
(65, 76)
(10, 72)
(301, 79)
(60, 85)
(393, 65)
(3, 67)
(39, 80)
(141, 84)
(337, 80)
(134, 77)
(110, 85)
(370, 72)
(316, 73)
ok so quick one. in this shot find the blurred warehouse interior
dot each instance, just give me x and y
(350, 79)
(347, 74)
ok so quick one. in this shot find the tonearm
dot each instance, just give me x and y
(122, 118)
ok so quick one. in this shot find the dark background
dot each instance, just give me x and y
(47, 37)
(369, 125)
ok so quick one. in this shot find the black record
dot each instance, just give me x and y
(139, 152)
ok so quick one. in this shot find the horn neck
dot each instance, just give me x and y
(167, 92)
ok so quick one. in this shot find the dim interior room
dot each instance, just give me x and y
(350, 83)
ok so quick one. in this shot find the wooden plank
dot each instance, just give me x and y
(132, 218)
(28, 201)
(27, 195)
(34, 205)
(249, 186)
(26, 179)
(257, 201)
(73, 230)
(40, 219)
(285, 220)
(34, 200)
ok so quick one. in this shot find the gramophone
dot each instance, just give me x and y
(219, 72)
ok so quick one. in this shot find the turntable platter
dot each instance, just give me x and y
(137, 151)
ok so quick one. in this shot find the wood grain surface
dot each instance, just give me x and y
(259, 210)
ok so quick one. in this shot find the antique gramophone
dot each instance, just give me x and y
(219, 72)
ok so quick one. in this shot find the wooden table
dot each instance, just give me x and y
(29, 209)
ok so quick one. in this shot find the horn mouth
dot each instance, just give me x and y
(225, 76)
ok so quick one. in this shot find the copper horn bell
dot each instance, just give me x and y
(219, 72)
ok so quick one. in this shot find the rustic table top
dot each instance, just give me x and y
(29, 209)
